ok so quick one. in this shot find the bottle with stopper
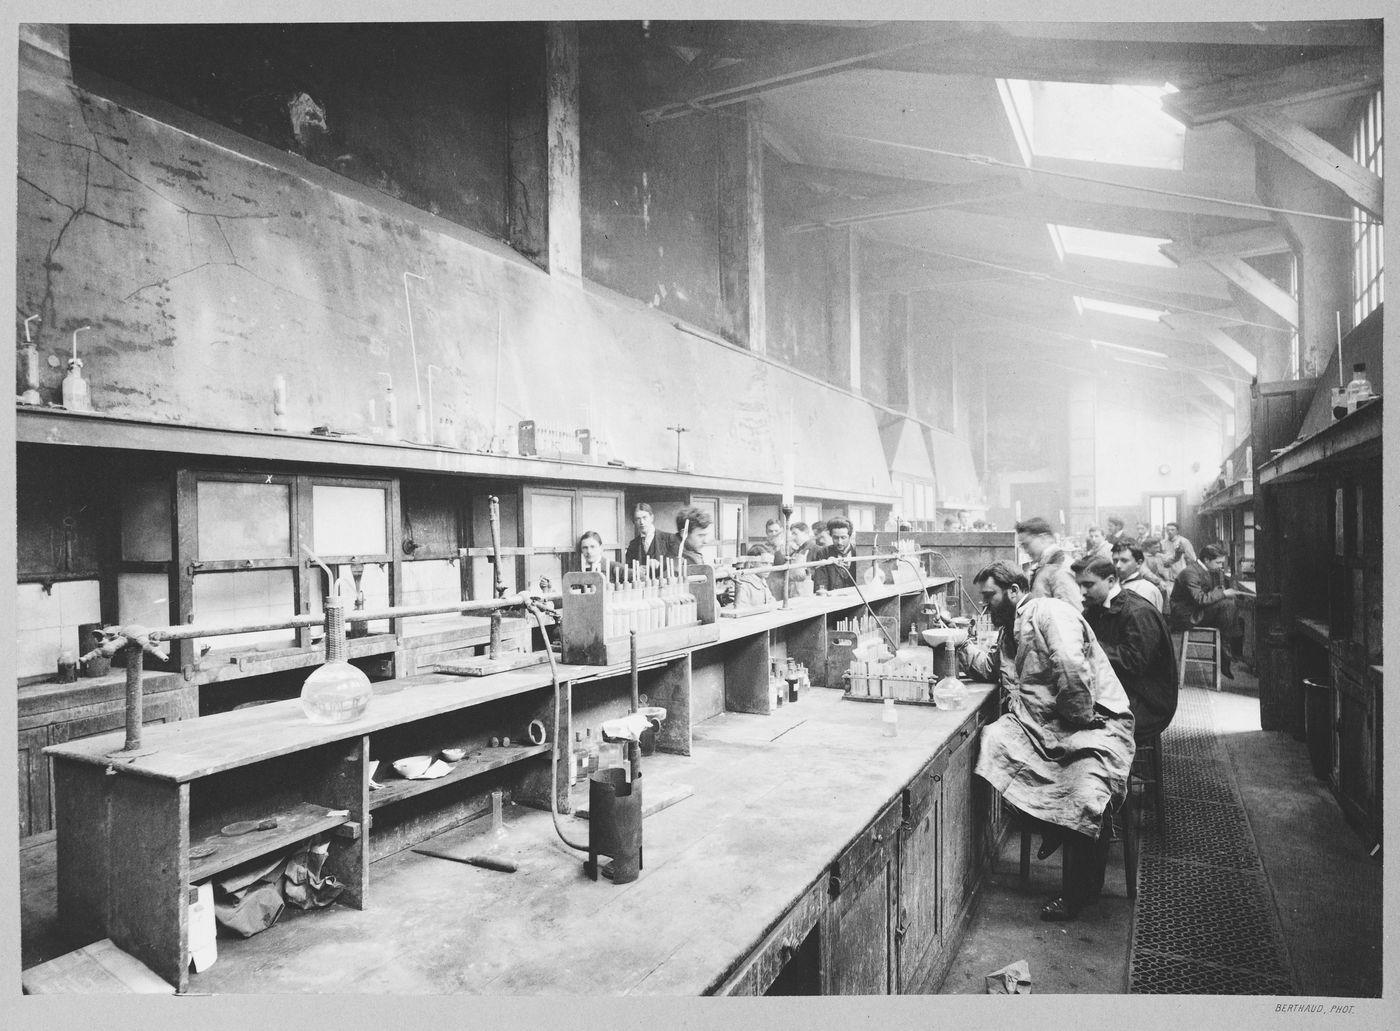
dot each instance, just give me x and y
(335, 692)
(76, 397)
(31, 367)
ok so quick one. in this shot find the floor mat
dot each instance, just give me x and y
(1205, 922)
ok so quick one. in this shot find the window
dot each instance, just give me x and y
(1096, 243)
(1366, 231)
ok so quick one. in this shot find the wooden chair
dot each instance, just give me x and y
(1199, 645)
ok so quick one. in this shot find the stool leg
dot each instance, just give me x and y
(1159, 792)
(1025, 853)
(1217, 660)
(1132, 828)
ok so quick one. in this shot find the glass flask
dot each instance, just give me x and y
(335, 692)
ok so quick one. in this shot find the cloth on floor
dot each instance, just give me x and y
(1012, 979)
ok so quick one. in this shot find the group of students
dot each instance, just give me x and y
(1085, 655)
(749, 584)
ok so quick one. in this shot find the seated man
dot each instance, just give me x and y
(1196, 601)
(820, 534)
(1095, 544)
(694, 536)
(1127, 560)
(777, 549)
(592, 557)
(751, 586)
(1137, 642)
(1049, 574)
(1062, 751)
(1114, 531)
(650, 545)
(826, 579)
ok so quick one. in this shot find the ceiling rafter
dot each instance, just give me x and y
(907, 202)
(1246, 277)
(1361, 185)
(1337, 75)
(747, 79)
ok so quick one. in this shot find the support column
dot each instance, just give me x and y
(853, 308)
(527, 137)
(1083, 398)
(1323, 249)
(741, 250)
(898, 386)
(561, 117)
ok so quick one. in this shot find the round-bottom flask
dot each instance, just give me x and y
(335, 692)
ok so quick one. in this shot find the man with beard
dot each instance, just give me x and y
(1061, 752)
(838, 575)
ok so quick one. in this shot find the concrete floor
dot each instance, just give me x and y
(1327, 890)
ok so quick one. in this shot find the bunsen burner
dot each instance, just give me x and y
(614, 825)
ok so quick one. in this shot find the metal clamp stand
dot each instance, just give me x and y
(133, 642)
(787, 566)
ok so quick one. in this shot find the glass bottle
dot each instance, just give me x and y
(1359, 389)
(889, 719)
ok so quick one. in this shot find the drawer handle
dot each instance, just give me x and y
(938, 778)
(879, 837)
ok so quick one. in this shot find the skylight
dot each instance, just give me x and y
(1095, 243)
(1084, 121)
(1131, 311)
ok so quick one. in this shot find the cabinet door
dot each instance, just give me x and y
(960, 828)
(861, 916)
(919, 932)
(34, 791)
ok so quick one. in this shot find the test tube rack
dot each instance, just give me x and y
(588, 615)
(851, 636)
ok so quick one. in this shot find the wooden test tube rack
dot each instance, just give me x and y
(587, 597)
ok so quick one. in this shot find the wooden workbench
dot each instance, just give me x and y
(127, 826)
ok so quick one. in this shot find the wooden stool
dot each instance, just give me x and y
(1147, 772)
(1130, 815)
(1201, 645)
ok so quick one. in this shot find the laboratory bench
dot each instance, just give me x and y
(133, 833)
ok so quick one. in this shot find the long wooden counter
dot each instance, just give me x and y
(127, 826)
(777, 802)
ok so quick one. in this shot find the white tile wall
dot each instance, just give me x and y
(257, 596)
(374, 581)
(46, 623)
(143, 599)
(435, 582)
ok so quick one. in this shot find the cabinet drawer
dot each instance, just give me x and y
(779, 945)
(873, 844)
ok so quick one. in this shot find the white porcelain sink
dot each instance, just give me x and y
(939, 636)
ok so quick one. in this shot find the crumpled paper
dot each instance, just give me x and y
(1012, 979)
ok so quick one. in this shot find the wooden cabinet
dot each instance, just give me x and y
(796, 938)
(919, 933)
(861, 917)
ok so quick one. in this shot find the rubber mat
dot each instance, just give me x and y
(1205, 922)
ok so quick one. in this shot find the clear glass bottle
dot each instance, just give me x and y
(335, 692)
(889, 719)
(1359, 389)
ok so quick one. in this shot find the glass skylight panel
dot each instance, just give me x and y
(1131, 311)
(1082, 121)
(1095, 243)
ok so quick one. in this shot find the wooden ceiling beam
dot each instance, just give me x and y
(1245, 243)
(1361, 186)
(1217, 388)
(906, 202)
(1222, 342)
(1357, 70)
(1244, 276)
(787, 67)
(1354, 33)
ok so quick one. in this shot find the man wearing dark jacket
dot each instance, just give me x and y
(650, 545)
(838, 575)
(1196, 601)
(1137, 642)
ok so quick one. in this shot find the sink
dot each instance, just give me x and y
(940, 636)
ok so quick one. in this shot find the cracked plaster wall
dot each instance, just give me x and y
(204, 273)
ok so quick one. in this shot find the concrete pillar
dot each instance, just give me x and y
(1323, 249)
(741, 249)
(527, 138)
(898, 388)
(561, 117)
(1083, 400)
